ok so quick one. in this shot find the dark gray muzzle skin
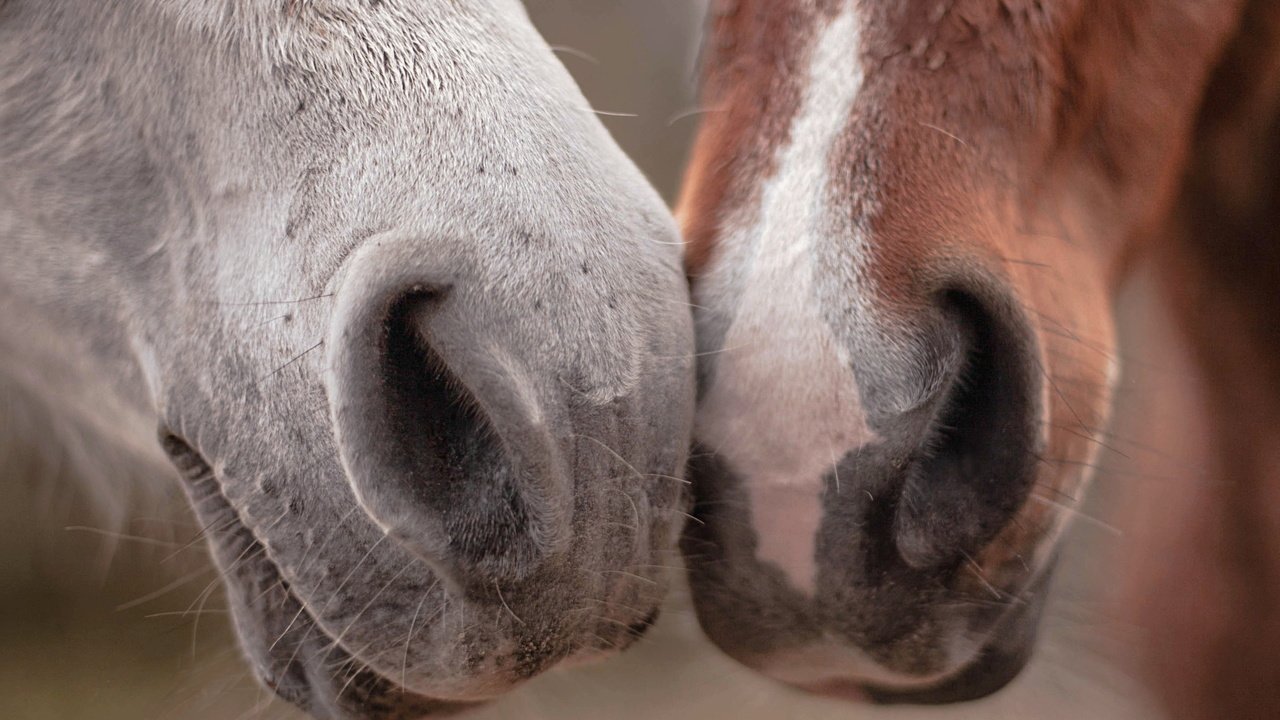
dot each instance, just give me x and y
(868, 597)
(1013, 632)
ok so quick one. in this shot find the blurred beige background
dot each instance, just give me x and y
(132, 628)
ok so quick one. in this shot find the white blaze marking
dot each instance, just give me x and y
(783, 406)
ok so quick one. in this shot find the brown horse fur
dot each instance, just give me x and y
(1211, 594)
(1050, 144)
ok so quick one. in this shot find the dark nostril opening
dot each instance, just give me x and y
(450, 457)
(974, 471)
(442, 422)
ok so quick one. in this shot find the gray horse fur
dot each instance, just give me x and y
(207, 211)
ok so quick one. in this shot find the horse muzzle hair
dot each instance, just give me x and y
(414, 330)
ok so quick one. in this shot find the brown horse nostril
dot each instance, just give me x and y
(977, 462)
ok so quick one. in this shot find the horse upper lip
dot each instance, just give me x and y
(989, 672)
(1002, 657)
(290, 651)
(295, 654)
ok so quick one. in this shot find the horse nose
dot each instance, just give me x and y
(922, 422)
(442, 428)
(845, 475)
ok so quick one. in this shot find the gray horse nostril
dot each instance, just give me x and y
(976, 466)
(449, 449)
(443, 446)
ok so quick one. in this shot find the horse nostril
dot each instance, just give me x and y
(462, 472)
(973, 471)
(441, 436)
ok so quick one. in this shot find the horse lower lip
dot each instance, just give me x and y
(991, 672)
